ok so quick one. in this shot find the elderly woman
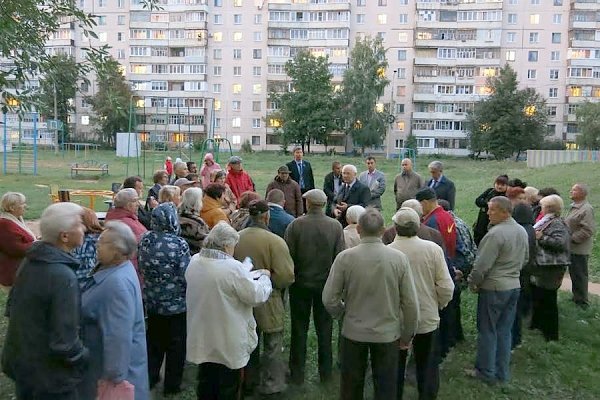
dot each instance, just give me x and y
(481, 225)
(15, 236)
(351, 236)
(552, 259)
(163, 257)
(113, 318)
(42, 351)
(193, 228)
(170, 193)
(212, 211)
(229, 199)
(240, 218)
(86, 253)
(223, 291)
(516, 195)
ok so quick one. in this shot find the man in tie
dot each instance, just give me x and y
(332, 185)
(375, 181)
(443, 187)
(301, 171)
(352, 193)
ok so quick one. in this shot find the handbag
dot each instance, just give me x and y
(108, 390)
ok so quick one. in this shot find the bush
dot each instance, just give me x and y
(246, 147)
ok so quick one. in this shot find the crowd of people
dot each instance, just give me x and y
(205, 270)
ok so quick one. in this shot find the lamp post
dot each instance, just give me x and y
(391, 117)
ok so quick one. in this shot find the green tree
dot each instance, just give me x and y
(112, 103)
(58, 88)
(588, 119)
(364, 83)
(510, 120)
(306, 112)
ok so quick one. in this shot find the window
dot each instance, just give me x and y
(513, 2)
(237, 54)
(237, 19)
(119, 36)
(217, 88)
(102, 36)
(257, 54)
(399, 108)
(237, 3)
(553, 93)
(257, 19)
(256, 106)
(558, 3)
(401, 73)
(217, 122)
(401, 55)
(552, 111)
(237, 36)
(237, 88)
(553, 74)
(102, 3)
(256, 71)
(236, 105)
(535, 2)
(402, 37)
(510, 55)
(531, 74)
(532, 56)
(257, 36)
(556, 36)
(361, 3)
(217, 19)
(557, 18)
(102, 20)
(403, 19)
(534, 37)
(555, 55)
(512, 19)
(236, 122)
(360, 18)
(257, 88)
(218, 3)
(217, 36)
(217, 70)
(401, 91)
(120, 3)
(382, 19)
(534, 19)
(237, 71)
(382, 3)
(120, 20)
(256, 124)
(510, 37)
(217, 54)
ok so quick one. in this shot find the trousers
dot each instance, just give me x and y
(166, 336)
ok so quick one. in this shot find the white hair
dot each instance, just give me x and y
(168, 193)
(353, 214)
(221, 235)
(121, 237)
(12, 199)
(191, 201)
(124, 197)
(350, 167)
(58, 218)
(436, 165)
(415, 205)
(179, 165)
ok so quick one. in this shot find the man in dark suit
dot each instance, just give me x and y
(301, 171)
(352, 193)
(332, 185)
(443, 187)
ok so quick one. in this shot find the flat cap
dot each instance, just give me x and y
(284, 168)
(235, 160)
(425, 194)
(405, 216)
(183, 181)
(316, 196)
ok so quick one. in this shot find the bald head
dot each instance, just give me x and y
(406, 165)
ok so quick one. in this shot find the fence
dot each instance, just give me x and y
(541, 158)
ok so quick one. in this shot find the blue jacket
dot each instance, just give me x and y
(163, 256)
(279, 220)
(114, 331)
(87, 256)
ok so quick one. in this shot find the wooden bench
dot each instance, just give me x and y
(89, 166)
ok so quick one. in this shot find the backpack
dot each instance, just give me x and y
(465, 244)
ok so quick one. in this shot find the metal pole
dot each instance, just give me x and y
(55, 119)
(129, 137)
(5, 139)
(35, 133)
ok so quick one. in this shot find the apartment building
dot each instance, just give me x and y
(205, 68)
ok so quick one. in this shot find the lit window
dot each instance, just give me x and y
(237, 36)
(400, 125)
(534, 19)
(217, 36)
(217, 105)
(257, 88)
(237, 3)
(511, 55)
(236, 122)
(237, 88)
(382, 19)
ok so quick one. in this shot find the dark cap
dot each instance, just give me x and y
(258, 207)
(284, 168)
(426, 194)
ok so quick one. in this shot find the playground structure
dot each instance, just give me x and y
(22, 134)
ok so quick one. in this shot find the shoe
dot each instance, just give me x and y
(475, 374)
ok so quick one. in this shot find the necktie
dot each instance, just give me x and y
(301, 175)
(345, 191)
(433, 183)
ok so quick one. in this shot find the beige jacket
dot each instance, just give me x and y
(432, 280)
(582, 224)
(406, 186)
(268, 251)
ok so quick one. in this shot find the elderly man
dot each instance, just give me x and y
(332, 185)
(352, 192)
(425, 232)
(278, 218)
(444, 187)
(291, 190)
(180, 170)
(314, 241)
(144, 211)
(407, 183)
(582, 224)
(183, 184)
(371, 287)
(267, 251)
(43, 352)
(434, 290)
(495, 277)
(237, 178)
(375, 181)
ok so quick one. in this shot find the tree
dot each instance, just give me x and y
(112, 103)
(364, 83)
(510, 120)
(588, 118)
(306, 111)
(57, 89)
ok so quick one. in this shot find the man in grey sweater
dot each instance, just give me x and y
(371, 287)
(495, 277)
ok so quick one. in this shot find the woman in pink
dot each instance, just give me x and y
(208, 168)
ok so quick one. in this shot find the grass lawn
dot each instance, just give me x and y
(564, 370)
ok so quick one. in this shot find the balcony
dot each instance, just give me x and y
(345, 6)
(586, 44)
(439, 134)
(591, 5)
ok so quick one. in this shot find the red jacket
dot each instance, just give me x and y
(239, 182)
(14, 242)
(443, 222)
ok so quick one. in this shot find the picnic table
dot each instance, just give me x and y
(89, 166)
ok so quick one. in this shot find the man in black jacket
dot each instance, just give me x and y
(301, 172)
(43, 352)
(352, 193)
(332, 185)
(443, 187)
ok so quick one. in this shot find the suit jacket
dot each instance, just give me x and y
(307, 174)
(376, 188)
(329, 189)
(445, 190)
(359, 195)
